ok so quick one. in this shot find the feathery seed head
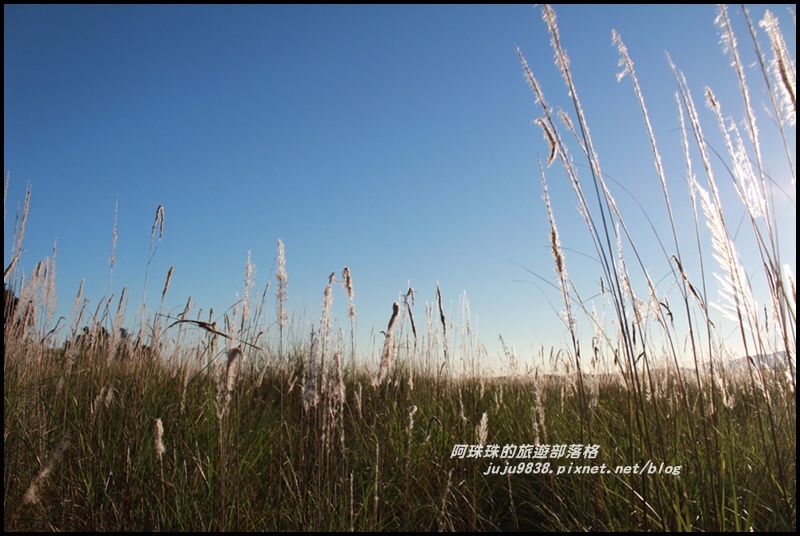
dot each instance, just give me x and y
(112, 259)
(482, 430)
(158, 223)
(783, 70)
(411, 411)
(166, 283)
(347, 281)
(159, 442)
(32, 493)
(234, 354)
(283, 282)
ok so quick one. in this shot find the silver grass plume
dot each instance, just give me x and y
(783, 69)
(32, 493)
(159, 440)
(386, 355)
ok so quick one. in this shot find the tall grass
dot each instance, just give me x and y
(638, 360)
(243, 422)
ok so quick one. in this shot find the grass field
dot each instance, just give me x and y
(175, 422)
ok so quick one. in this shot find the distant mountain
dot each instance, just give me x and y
(770, 361)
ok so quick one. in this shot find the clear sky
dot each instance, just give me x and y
(396, 140)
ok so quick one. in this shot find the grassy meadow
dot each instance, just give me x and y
(148, 420)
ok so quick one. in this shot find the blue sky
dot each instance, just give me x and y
(395, 140)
